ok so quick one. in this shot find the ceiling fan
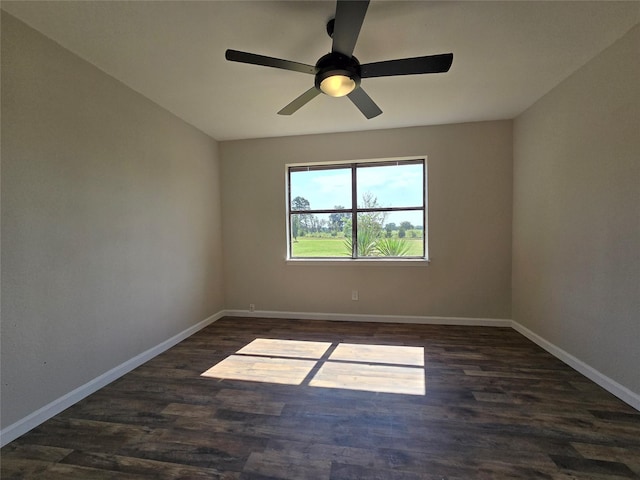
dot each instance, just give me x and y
(339, 73)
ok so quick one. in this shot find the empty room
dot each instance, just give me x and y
(327, 240)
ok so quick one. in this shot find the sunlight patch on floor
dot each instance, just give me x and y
(389, 354)
(367, 367)
(284, 371)
(285, 348)
(372, 378)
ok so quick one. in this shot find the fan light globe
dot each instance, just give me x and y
(337, 85)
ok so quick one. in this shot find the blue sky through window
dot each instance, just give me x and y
(393, 186)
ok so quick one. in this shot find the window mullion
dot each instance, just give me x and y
(390, 209)
(354, 213)
(289, 216)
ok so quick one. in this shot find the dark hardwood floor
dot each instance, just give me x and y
(291, 399)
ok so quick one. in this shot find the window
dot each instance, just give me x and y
(362, 210)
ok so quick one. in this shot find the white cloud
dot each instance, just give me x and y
(332, 183)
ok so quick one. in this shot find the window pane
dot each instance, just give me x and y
(319, 235)
(405, 228)
(387, 234)
(370, 230)
(409, 219)
(326, 189)
(390, 186)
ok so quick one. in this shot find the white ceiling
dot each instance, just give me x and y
(506, 56)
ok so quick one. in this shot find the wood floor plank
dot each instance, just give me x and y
(16, 467)
(315, 400)
(140, 466)
(288, 466)
(629, 456)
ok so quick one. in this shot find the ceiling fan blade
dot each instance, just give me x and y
(349, 17)
(364, 103)
(408, 66)
(254, 59)
(301, 101)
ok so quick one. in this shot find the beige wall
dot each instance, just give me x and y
(576, 232)
(112, 214)
(469, 182)
(110, 223)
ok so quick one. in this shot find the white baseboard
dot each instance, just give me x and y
(613, 387)
(357, 317)
(34, 419)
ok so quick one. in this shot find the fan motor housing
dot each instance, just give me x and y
(337, 64)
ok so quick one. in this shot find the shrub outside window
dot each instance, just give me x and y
(360, 210)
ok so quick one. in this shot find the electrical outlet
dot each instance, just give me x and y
(252, 307)
(354, 294)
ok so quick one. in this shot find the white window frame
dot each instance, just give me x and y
(413, 260)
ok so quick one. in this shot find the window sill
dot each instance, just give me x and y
(369, 262)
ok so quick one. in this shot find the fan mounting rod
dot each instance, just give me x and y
(330, 26)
